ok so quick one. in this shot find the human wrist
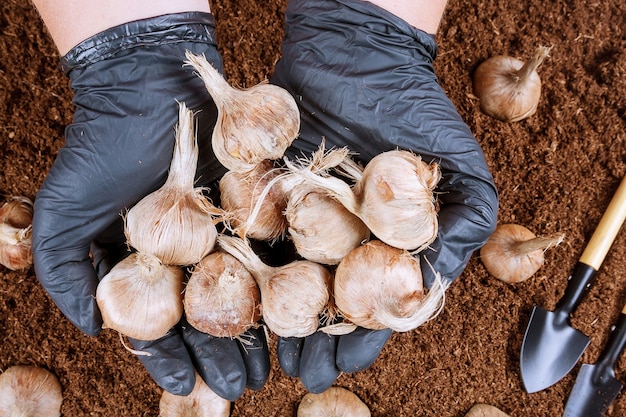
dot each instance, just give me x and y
(71, 22)
(424, 15)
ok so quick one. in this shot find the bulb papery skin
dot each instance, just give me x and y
(508, 88)
(378, 286)
(334, 402)
(175, 222)
(15, 247)
(293, 296)
(394, 197)
(397, 200)
(17, 211)
(16, 216)
(222, 297)
(253, 124)
(140, 297)
(175, 226)
(201, 402)
(513, 253)
(29, 391)
(321, 228)
(243, 193)
(485, 410)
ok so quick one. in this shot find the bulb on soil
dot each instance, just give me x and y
(485, 410)
(29, 391)
(513, 253)
(16, 216)
(334, 402)
(201, 402)
(509, 89)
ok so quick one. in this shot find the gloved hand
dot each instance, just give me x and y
(364, 79)
(127, 83)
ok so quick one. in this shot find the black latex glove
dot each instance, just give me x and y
(364, 79)
(127, 83)
(318, 359)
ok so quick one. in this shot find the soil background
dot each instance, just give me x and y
(556, 173)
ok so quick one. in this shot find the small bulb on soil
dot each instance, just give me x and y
(201, 402)
(513, 253)
(29, 391)
(16, 217)
(334, 402)
(509, 89)
(485, 410)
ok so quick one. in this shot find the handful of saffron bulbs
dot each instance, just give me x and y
(375, 218)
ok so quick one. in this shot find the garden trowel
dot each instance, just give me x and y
(596, 386)
(551, 346)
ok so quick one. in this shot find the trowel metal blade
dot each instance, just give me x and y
(551, 348)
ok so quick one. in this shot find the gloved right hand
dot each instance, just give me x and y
(127, 82)
(319, 359)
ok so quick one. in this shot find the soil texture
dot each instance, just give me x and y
(555, 171)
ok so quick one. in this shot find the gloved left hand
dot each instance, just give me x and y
(127, 82)
(364, 78)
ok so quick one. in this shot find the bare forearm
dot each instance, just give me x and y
(422, 14)
(72, 21)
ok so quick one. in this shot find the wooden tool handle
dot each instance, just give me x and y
(607, 229)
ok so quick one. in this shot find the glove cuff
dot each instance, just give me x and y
(154, 31)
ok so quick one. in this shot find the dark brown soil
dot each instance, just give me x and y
(556, 172)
